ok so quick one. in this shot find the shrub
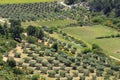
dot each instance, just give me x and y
(50, 60)
(118, 25)
(108, 23)
(30, 70)
(55, 46)
(97, 20)
(20, 63)
(32, 63)
(47, 52)
(86, 50)
(11, 62)
(35, 77)
(56, 70)
(69, 77)
(39, 59)
(18, 71)
(67, 62)
(31, 39)
(71, 58)
(38, 66)
(82, 77)
(73, 51)
(50, 66)
(27, 59)
(34, 56)
(44, 70)
(45, 63)
(17, 55)
(62, 73)
(56, 63)
(51, 74)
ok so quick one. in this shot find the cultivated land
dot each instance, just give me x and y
(22, 1)
(89, 34)
(51, 23)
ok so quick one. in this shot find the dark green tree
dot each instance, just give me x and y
(31, 30)
(55, 46)
(39, 33)
(16, 32)
(11, 62)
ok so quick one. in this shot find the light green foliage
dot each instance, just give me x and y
(22, 1)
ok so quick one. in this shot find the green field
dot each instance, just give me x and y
(22, 1)
(53, 23)
(89, 34)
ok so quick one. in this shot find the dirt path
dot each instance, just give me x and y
(115, 58)
(11, 53)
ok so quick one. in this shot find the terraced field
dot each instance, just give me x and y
(22, 1)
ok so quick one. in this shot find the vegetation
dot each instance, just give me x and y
(22, 1)
(59, 40)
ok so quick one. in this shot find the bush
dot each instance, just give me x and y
(50, 60)
(86, 50)
(18, 71)
(27, 59)
(55, 46)
(51, 74)
(20, 63)
(11, 62)
(35, 77)
(118, 25)
(39, 60)
(69, 77)
(45, 63)
(62, 73)
(44, 70)
(97, 20)
(108, 23)
(31, 39)
(32, 63)
(47, 52)
(17, 55)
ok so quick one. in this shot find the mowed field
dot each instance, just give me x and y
(22, 1)
(111, 46)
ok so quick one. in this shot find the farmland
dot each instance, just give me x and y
(89, 34)
(59, 40)
(22, 1)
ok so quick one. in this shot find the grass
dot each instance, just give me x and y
(22, 1)
(53, 23)
(89, 34)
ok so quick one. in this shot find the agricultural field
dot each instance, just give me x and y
(59, 40)
(22, 1)
(30, 11)
(50, 23)
(41, 58)
(90, 33)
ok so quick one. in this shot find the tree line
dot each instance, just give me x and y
(106, 6)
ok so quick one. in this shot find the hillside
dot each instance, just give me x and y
(59, 40)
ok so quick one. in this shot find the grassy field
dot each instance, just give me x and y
(89, 34)
(22, 1)
(54, 23)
